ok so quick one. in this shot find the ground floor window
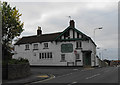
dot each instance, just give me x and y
(46, 55)
(77, 56)
(63, 58)
(40, 56)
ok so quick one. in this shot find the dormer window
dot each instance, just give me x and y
(35, 46)
(27, 47)
(45, 45)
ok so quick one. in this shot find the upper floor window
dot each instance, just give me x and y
(45, 45)
(27, 47)
(79, 44)
(35, 46)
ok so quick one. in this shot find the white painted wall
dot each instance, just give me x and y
(55, 48)
(71, 33)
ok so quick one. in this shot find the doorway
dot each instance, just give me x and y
(87, 58)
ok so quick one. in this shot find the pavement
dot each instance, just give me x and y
(32, 78)
(42, 74)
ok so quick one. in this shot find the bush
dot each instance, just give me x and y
(18, 61)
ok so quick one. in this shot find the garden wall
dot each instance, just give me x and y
(18, 70)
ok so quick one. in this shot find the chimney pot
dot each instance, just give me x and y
(39, 31)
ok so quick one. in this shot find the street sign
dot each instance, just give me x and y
(75, 52)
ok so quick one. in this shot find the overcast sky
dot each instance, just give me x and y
(88, 15)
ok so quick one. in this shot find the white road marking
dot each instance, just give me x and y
(65, 75)
(72, 83)
(92, 76)
(75, 69)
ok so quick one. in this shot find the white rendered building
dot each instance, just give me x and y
(68, 48)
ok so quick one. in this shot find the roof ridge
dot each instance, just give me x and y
(41, 35)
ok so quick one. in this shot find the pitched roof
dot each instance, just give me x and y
(36, 38)
(52, 37)
(73, 29)
(84, 35)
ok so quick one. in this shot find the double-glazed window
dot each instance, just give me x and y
(63, 58)
(27, 47)
(78, 44)
(47, 55)
(35, 46)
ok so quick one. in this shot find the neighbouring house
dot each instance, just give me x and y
(115, 62)
(68, 48)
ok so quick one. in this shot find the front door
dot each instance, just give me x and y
(86, 58)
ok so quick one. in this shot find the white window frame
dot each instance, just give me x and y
(50, 54)
(35, 46)
(63, 58)
(45, 55)
(40, 55)
(77, 56)
(27, 47)
(45, 45)
(78, 44)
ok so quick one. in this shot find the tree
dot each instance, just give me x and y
(11, 27)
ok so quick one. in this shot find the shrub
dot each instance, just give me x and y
(18, 61)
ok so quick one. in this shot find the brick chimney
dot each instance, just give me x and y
(39, 31)
(72, 23)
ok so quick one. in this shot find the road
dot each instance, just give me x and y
(98, 75)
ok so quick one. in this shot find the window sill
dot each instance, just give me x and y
(78, 60)
(63, 61)
(78, 48)
(35, 49)
(27, 49)
(45, 48)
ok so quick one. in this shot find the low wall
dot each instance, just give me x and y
(103, 64)
(18, 71)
